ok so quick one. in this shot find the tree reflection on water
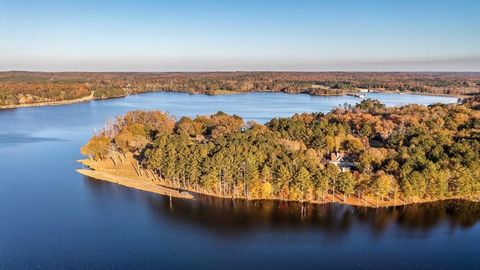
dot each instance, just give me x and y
(238, 216)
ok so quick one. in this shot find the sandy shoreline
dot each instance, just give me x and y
(140, 183)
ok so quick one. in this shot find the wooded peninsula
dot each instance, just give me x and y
(365, 154)
(20, 89)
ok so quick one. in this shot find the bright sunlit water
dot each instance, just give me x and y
(53, 218)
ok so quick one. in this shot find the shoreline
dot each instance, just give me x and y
(49, 103)
(460, 96)
(149, 184)
(221, 92)
(92, 98)
(144, 182)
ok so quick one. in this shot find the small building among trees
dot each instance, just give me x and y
(341, 161)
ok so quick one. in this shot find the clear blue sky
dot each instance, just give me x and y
(142, 35)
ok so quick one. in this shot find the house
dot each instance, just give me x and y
(341, 161)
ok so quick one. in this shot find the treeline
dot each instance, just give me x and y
(31, 93)
(368, 151)
(35, 87)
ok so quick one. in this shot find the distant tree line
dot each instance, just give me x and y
(36, 87)
(409, 153)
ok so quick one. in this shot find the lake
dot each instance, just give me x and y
(54, 218)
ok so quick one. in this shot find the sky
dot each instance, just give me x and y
(222, 35)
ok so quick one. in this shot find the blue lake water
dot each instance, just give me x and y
(53, 218)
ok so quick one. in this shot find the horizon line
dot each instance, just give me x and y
(239, 71)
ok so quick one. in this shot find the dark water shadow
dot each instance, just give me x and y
(228, 216)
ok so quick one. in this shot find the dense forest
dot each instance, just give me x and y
(365, 152)
(41, 87)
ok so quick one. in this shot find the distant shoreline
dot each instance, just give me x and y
(148, 184)
(217, 92)
(49, 103)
